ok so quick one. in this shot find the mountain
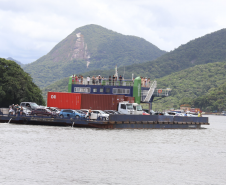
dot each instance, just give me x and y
(189, 84)
(21, 64)
(16, 85)
(207, 49)
(88, 48)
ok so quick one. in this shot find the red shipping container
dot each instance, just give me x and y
(64, 100)
(99, 102)
(120, 98)
(129, 99)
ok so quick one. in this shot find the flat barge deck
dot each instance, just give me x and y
(114, 122)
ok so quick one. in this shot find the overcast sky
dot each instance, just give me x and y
(29, 29)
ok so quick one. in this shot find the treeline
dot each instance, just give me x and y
(215, 99)
(16, 85)
(189, 84)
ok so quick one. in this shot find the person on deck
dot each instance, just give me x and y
(89, 113)
(149, 82)
(99, 80)
(93, 80)
(145, 81)
(81, 79)
(109, 80)
(88, 79)
(113, 79)
(120, 79)
(76, 79)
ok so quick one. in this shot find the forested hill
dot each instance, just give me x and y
(16, 85)
(207, 49)
(189, 84)
(92, 46)
(215, 99)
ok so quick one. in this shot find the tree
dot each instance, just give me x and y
(16, 85)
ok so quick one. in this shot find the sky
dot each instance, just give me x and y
(29, 29)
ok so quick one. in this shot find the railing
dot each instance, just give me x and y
(162, 92)
(157, 93)
(150, 92)
(125, 82)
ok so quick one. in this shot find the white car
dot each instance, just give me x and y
(98, 113)
(26, 111)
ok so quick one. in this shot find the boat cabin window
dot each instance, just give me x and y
(94, 89)
(123, 106)
(108, 90)
(121, 91)
(82, 89)
(101, 89)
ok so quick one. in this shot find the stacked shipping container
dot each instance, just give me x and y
(64, 100)
(83, 101)
(129, 99)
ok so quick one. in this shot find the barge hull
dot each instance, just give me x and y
(115, 122)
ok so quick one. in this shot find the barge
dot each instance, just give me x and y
(114, 122)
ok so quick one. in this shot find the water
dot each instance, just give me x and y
(64, 155)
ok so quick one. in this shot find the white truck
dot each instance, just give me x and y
(137, 109)
(129, 108)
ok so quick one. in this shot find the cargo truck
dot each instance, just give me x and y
(129, 108)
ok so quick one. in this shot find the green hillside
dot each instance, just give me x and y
(215, 99)
(16, 85)
(92, 46)
(189, 84)
(207, 49)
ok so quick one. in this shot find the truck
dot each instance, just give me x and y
(125, 107)
(137, 109)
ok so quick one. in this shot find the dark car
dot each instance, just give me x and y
(42, 112)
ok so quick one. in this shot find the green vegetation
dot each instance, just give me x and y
(58, 86)
(106, 49)
(189, 84)
(215, 99)
(207, 49)
(16, 85)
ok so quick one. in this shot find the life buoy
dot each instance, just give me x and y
(160, 91)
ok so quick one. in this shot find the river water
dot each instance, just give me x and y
(64, 155)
